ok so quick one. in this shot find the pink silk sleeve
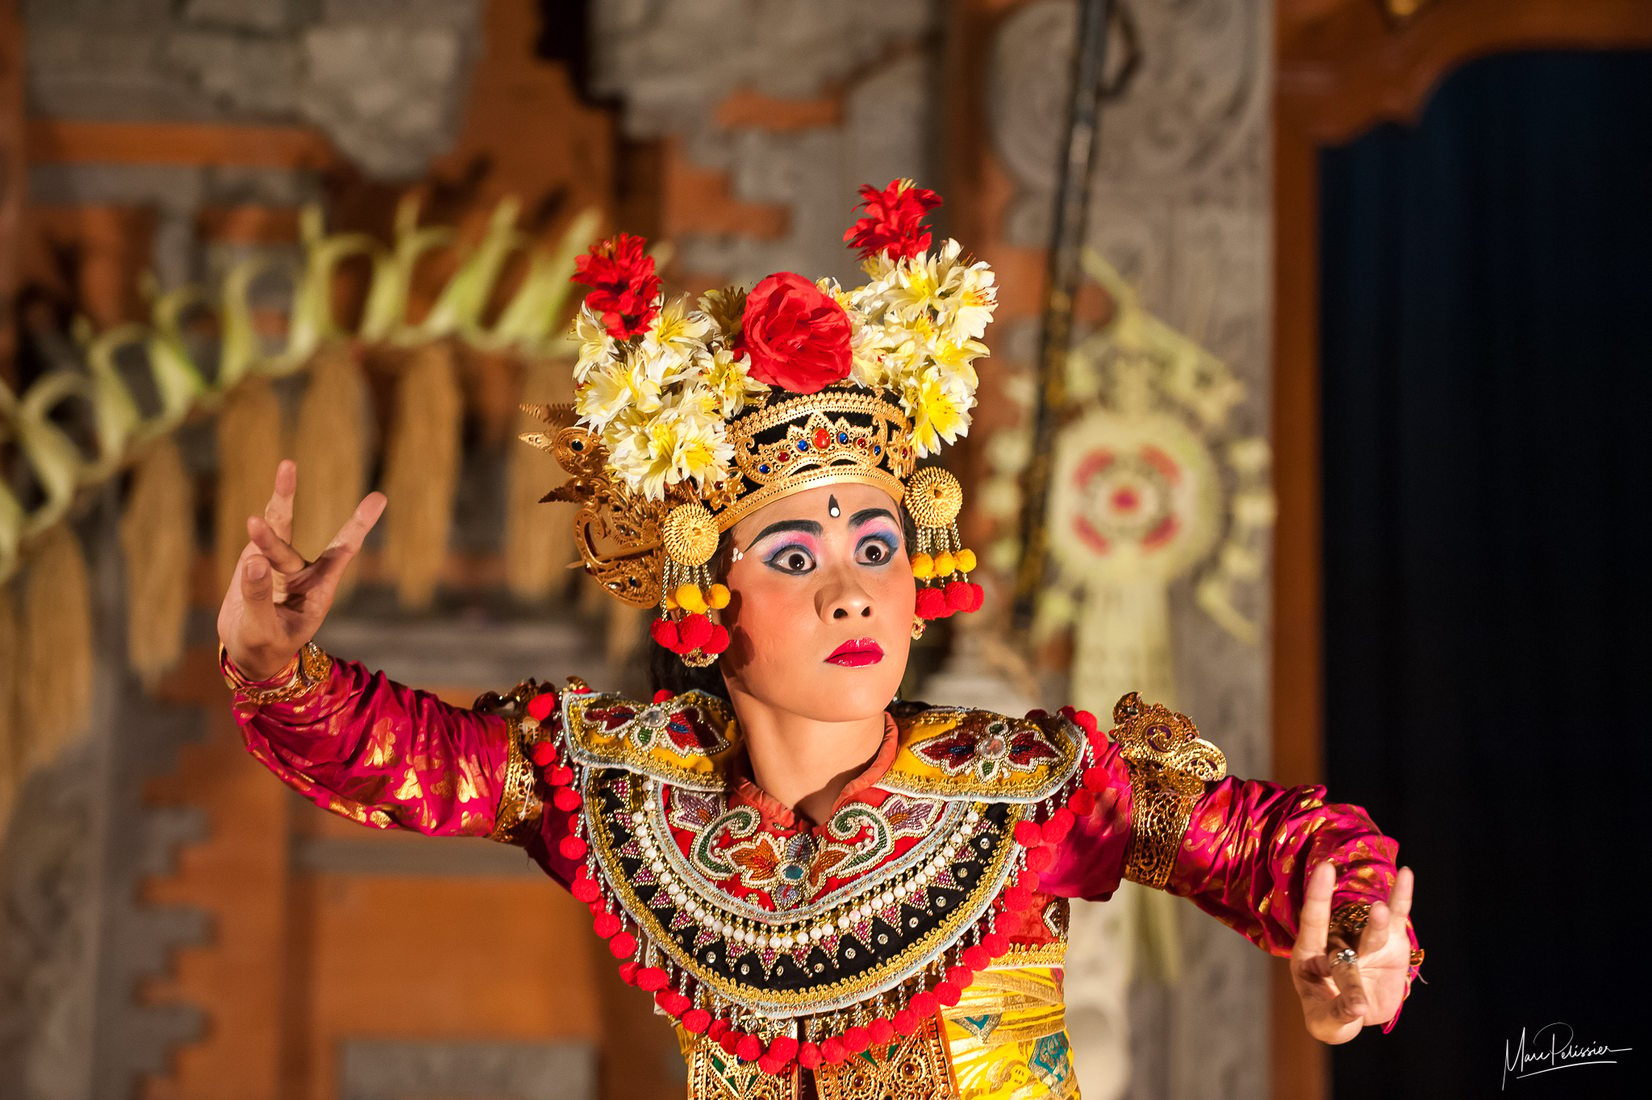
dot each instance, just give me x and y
(382, 754)
(1089, 863)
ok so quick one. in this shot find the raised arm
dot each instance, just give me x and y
(351, 741)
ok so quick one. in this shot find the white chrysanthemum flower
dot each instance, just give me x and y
(727, 378)
(676, 337)
(597, 347)
(682, 441)
(632, 384)
(939, 410)
(971, 296)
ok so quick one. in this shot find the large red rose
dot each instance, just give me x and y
(624, 288)
(796, 335)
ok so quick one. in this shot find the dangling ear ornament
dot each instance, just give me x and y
(942, 565)
(689, 535)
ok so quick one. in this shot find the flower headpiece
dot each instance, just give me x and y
(689, 416)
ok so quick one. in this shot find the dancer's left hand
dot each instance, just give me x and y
(1338, 999)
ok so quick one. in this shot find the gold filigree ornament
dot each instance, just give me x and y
(1169, 765)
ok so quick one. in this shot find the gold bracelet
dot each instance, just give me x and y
(308, 670)
(1169, 766)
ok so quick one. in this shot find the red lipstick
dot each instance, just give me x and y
(856, 653)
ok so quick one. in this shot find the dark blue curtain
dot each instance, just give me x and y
(1487, 412)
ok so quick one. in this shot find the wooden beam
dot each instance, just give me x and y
(69, 141)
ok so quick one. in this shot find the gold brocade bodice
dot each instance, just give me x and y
(1006, 1039)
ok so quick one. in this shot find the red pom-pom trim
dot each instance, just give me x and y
(783, 1048)
(857, 1039)
(977, 957)
(606, 924)
(833, 1050)
(808, 1056)
(662, 695)
(566, 799)
(730, 1040)
(672, 1002)
(651, 979)
(1096, 778)
(931, 603)
(996, 943)
(906, 1021)
(1040, 859)
(1059, 825)
(543, 753)
(696, 1020)
(541, 705)
(770, 1065)
(960, 976)
(718, 642)
(573, 847)
(882, 1031)
(694, 630)
(717, 1029)
(561, 775)
(948, 993)
(925, 1004)
(623, 945)
(1086, 721)
(1029, 879)
(664, 631)
(749, 1049)
(628, 971)
(1028, 834)
(1083, 802)
(957, 595)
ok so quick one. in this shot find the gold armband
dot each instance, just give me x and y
(309, 669)
(1169, 766)
(517, 817)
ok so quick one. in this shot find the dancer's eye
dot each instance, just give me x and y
(875, 550)
(792, 559)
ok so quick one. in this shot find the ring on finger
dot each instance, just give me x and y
(1346, 957)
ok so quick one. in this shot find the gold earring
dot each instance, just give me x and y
(918, 625)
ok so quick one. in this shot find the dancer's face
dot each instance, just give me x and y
(820, 615)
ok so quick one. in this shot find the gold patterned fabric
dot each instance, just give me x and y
(1008, 1036)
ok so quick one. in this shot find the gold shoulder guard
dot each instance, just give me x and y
(1169, 765)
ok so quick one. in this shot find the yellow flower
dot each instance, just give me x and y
(628, 385)
(939, 410)
(675, 338)
(596, 346)
(728, 381)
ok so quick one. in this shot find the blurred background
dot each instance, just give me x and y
(1356, 377)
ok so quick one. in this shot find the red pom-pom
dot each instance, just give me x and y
(585, 890)
(573, 847)
(995, 943)
(1028, 834)
(651, 979)
(857, 1039)
(1086, 721)
(770, 1065)
(924, 1004)
(664, 631)
(622, 945)
(671, 1002)
(1096, 778)
(749, 1049)
(960, 976)
(1017, 897)
(606, 924)
(977, 596)
(566, 799)
(1059, 825)
(662, 695)
(541, 705)
(628, 971)
(1004, 924)
(543, 753)
(696, 1020)
(783, 1048)
(730, 1040)
(694, 630)
(717, 1029)
(882, 1031)
(931, 603)
(906, 1021)
(948, 993)
(1040, 859)
(718, 641)
(977, 958)
(560, 776)
(1083, 802)
(833, 1050)
(957, 595)
(1027, 878)
(808, 1056)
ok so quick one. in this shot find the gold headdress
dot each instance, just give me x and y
(687, 418)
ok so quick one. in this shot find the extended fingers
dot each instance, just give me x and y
(1315, 921)
(354, 532)
(278, 513)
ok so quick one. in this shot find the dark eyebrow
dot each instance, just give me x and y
(807, 526)
(866, 515)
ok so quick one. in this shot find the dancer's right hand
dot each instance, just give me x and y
(276, 600)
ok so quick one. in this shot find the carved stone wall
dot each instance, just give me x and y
(1180, 206)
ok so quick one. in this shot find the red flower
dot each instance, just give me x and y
(892, 220)
(797, 336)
(624, 288)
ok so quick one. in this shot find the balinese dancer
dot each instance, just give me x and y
(827, 893)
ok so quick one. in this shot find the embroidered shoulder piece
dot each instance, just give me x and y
(685, 740)
(1169, 766)
(978, 754)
